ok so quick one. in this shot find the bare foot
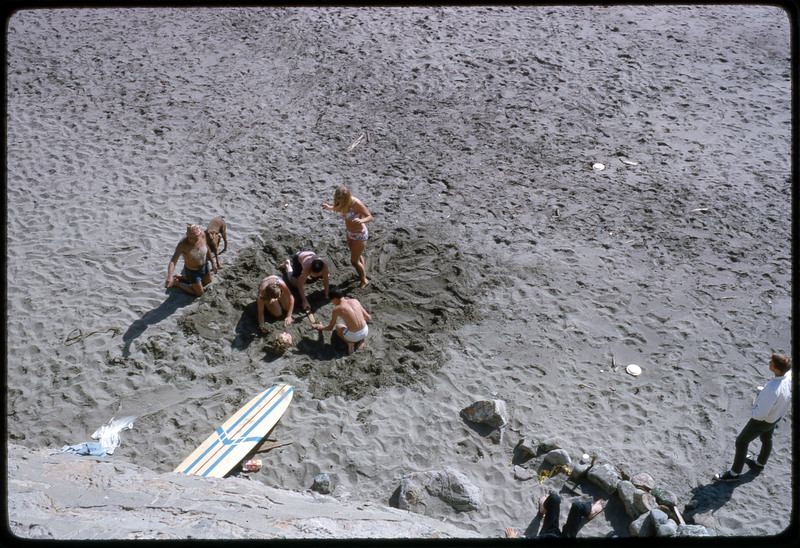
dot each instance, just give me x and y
(350, 347)
(597, 507)
(364, 283)
(360, 344)
(510, 533)
(542, 511)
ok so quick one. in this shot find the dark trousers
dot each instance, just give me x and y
(552, 508)
(752, 430)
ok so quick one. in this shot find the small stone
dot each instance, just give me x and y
(322, 484)
(668, 529)
(578, 471)
(558, 456)
(642, 526)
(551, 444)
(658, 517)
(643, 481)
(664, 497)
(644, 501)
(528, 447)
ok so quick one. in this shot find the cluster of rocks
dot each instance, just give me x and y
(652, 508)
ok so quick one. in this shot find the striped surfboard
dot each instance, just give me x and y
(238, 435)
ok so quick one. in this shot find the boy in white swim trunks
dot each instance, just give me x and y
(353, 329)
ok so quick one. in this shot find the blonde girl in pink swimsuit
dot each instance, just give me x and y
(356, 216)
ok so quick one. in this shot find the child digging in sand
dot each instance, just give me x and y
(354, 329)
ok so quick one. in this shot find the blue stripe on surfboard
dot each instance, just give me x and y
(227, 441)
(214, 445)
(233, 446)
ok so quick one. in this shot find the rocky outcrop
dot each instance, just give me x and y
(449, 485)
(63, 496)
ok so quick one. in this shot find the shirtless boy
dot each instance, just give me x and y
(354, 329)
(196, 255)
(303, 265)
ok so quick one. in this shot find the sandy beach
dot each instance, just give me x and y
(557, 191)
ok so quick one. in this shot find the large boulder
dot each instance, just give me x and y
(558, 456)
(489, 412)
(627, 494)
(449, 485)
(604, 476)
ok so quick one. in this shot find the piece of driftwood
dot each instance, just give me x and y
(271, 445)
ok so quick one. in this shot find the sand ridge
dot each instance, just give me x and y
(502, 263)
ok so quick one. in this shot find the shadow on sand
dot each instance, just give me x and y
(714, 495)
(175, 299)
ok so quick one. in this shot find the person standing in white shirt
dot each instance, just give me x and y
(771, 404)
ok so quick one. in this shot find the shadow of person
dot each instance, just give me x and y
(175, 299)
(247, 327)
(533, 527)
(715, 495)
(314, 346)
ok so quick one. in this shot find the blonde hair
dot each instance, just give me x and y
(342, 199)
(272, 291)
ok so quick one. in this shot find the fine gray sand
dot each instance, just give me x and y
(503, 265)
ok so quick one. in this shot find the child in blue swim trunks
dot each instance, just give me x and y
(196, 255)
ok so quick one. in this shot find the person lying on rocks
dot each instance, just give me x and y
(550, 508)
(196, 255)
(305, 264)
(353, 330)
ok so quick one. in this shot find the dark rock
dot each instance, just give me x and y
(664, 497)
(491, 413)
(322, 484)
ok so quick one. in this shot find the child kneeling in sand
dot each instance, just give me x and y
(354, 329)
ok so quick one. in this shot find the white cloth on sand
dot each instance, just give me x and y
(108, 434)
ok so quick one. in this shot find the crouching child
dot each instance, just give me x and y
(349, 319)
